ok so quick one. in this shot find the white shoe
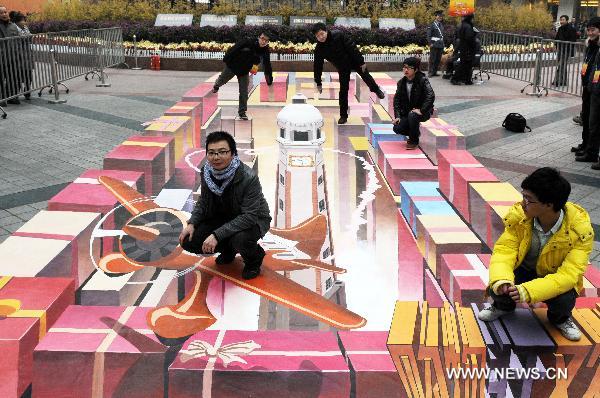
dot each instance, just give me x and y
(569, 330)
(491, 313)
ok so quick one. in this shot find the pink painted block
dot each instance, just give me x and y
(371, 366)
(586, 302)
(591, 282)
(433, 292)
(438, 135)
(364, 110)
(400, 164)
(41, 301)
(178, 127)
(410, 264)
(203, 94)
(334, 77)
(276, 92)
(448, 162)
(331, 91)
(277, 364)
(187, 174)
(99, 352)
(192, 110)
(464, 277)
(154, 156)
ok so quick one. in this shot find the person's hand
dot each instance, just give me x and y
(513, 293)
(417, 111)
(187, 231)
(320, 88)
(254, 69)
(396, 120)
(503, 289)
(363, 67)
(209, 244)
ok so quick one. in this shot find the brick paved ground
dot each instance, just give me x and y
(45, 146)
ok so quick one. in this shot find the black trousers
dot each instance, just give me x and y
(435, 56)
(243, 242)
(409, 126)
(585, 116)
(345, 86)
(559, 307)
(593, 143)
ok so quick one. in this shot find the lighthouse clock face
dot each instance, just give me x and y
(301, 161)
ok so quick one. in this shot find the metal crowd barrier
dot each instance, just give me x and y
(542, 63)
(47, 60)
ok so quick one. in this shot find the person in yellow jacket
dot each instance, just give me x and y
(543, 252)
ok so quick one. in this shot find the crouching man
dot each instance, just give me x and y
(542, 254)
(232, 213)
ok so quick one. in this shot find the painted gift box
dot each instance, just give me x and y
(212, 124)
(240, 129)
(364, 110)
(372, 370)
(154, 156)
(53, 243)
(330, 91)
(334, 77)
(192, 110)
(422, 197)
(308, 89)
(591, 282)
(456, 169)
(85, 194)
(100, 352)
(436, 135)
(230, 91)
(377, 132)
(410, 263)
(381, 115)
(178, 127)
(400, 164)
(464, 277)
(203, 94)
(437, 235)
(388, 101)
(126, 289)
(28, 307)
(187, 170)
(489, 203)
(220, 363)
(277, 91)
(354, 127)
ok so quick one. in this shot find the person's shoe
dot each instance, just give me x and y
(342, 120)
(577, 119)
(380, 94)
(580, 152)
(215, 89)
(456, 83)
(251, 272)
(14, 101)
(411, 145)
(596, 166)
(491, 313)
(569, 330)
(27, 96)
(243, 116)
(469, 83)
(225, 258)
(586, 158)
(577, 148)
(446, 76)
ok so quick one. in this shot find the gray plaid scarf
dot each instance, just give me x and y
(225, 176)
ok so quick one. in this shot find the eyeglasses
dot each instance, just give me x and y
(213, 154)
(263, 38)
(528, 201)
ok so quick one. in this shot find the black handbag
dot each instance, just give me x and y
(515, 122)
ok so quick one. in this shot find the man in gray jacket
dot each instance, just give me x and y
(435, 38)
(7, 29)
(232, 213)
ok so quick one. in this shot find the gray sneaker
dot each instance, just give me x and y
(491, 313)
(569, 330)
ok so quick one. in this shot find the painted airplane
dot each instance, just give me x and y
(151, 239)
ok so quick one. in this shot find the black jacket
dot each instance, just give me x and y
(243, 199)
(421, 97)
(566, 32)
(466, 40)
(590, 56)
(246, 53)
(338, 49)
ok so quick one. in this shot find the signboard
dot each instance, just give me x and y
(461, 7)
(348, 22)
(173, 20)
(263, 20)
(301, 21)
(218, 20)
(395, 23)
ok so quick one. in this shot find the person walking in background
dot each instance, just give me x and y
(466, 52)
(25, 60)
(592, 148)
(435, 38)
(7, 86)
(240, 60)
(564, 51)
(341, 51)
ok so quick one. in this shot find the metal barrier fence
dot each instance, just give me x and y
(47, 60)
(543, 63)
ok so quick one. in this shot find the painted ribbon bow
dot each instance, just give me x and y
(227, 353)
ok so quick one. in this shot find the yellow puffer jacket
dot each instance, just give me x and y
(562, 261)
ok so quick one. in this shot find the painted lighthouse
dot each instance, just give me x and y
(301, 189)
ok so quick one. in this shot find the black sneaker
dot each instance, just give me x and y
(243, 116)
(586, 158)
(342, 120)
(251, 272)
(215, 89)
(577, 148)
(380, 94)
(225, 258)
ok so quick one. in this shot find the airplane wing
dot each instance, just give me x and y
(280, 264)
(131, 199)
(310, 234)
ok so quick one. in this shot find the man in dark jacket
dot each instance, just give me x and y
(566, 32)
(241, 59)
(341, 51)
(435, 38)
(7, 29)
(232, 213)
(413, 102)
(466, 52)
